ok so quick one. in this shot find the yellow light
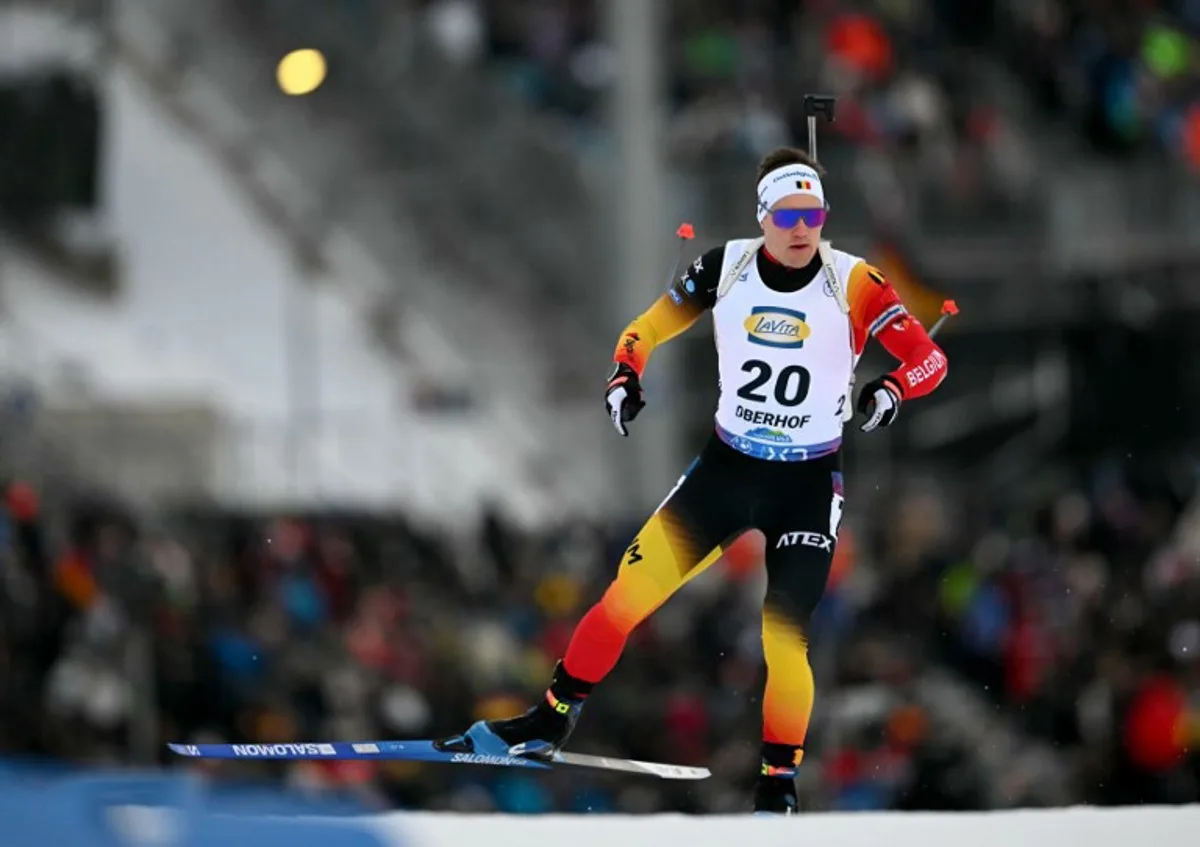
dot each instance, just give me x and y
(301, 72)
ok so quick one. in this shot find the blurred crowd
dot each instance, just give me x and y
(1123, 72)
(967, 96)
(737, 71)
(1127, 74)
(970, 653)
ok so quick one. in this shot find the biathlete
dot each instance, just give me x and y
(791, 316)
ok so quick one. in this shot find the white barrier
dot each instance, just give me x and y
(1162, 826)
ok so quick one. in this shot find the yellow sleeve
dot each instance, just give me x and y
(666, 318)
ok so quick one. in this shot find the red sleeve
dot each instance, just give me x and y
(877, 310)
(923, 364)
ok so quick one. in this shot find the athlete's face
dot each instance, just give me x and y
(787, 233)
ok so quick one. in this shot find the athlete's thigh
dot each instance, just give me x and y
(801, 537)
(684, 535)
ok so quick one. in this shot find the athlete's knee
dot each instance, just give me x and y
(654, 566)
(630, 599)
(783, 632)
(600, 636)
(792, 609)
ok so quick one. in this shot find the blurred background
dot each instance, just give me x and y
(301, 360)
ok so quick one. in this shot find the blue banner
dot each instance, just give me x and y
(42, 805)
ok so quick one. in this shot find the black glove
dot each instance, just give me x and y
(879, 400)
(623, 397)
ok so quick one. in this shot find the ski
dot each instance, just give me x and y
(659, 769)
(425, 751)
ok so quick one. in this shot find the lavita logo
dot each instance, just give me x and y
(772, 326)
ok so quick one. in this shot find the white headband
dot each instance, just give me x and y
(790, 179)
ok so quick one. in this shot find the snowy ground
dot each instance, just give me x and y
(1167, 827)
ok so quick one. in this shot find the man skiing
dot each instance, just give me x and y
(791, 317)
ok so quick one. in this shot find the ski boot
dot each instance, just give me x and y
(537, 734)
(775, 791)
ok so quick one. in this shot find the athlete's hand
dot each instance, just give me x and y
(623, 397)
(879, 400)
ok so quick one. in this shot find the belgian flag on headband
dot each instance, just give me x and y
(920, 298)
